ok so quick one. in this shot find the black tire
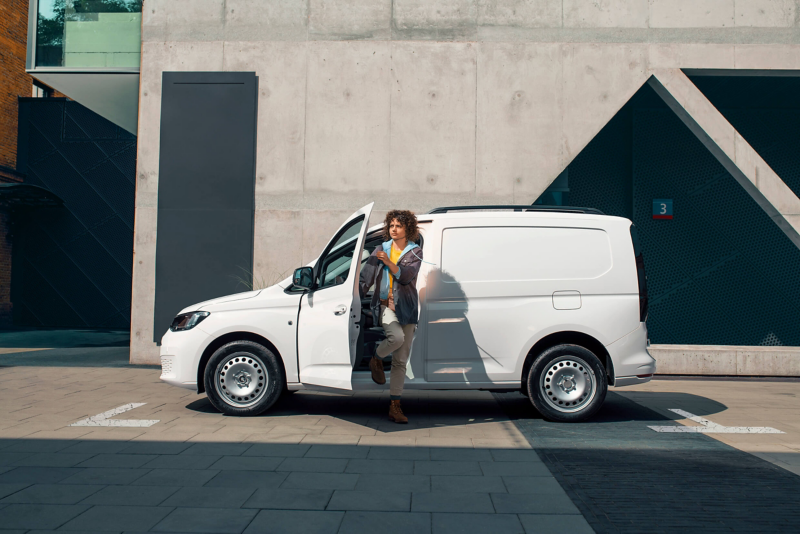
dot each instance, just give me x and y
(567, 383)
(239, 364)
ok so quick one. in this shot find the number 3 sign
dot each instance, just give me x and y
(662, 208)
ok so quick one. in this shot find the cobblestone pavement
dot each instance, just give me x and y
(468, 462)
(624, 477)
(315, 463)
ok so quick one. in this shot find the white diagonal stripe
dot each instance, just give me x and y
(104, 419)
(709, 427)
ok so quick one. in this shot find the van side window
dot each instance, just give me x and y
(515, 253)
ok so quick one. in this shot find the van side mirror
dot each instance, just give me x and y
(303, 277)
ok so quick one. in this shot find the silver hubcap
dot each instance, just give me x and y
(568, 384)
(241, 379)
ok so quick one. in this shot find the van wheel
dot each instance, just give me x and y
(243, 378)
(567, 383)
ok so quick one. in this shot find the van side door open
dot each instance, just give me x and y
(330, 312)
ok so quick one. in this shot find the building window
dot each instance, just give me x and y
(89, 33)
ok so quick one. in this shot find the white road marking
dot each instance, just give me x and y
(103, 419)
(710, 427)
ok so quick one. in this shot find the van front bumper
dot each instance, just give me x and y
(180, 356)
(632, 362)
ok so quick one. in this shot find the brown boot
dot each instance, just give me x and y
(376, 366)
(396, 413)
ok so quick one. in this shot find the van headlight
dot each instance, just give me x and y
(187, 321)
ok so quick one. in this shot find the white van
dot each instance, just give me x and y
(551, 302)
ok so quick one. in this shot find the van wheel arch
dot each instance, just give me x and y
(567, 338)
(227, 338)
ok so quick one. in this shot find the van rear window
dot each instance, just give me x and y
(525, 253)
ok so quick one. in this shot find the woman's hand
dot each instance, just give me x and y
(384, 258)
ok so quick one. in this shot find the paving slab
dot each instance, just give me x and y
(389, 501)
(117, 460)
(393, 467)
(289, 499)
(131, 495)
(323, 481)
(452, 502)
(38, 516)
(119, 518)
(447, 468)
(379, 483)
(52, 494)
(177, 461)
(287, 521)
(547, 524)
(477, 523)
(35, 475)
(337, 451)
(467, 484)
(210, 520)
(526, 503)
(209, 497)
(52, 459)
(235, 479)
(106, 475)
(313, 465)
(389, 522)
(248, 463)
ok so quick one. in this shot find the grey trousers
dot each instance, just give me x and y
(398, 344)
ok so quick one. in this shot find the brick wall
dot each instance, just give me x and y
(14, 82)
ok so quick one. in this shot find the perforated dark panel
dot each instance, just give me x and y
(72, 265)
(720, 272)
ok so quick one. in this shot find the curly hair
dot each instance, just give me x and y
(407, 219)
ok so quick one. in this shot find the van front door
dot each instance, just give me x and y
(327, 328)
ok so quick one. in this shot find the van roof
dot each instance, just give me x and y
(520, 208)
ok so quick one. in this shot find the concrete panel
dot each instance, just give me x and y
(691, 13)
(443, 20)
(726, 360)
(519, 120)
(778, 193)
(767, 57)
(266, 20)
(277, 248)
(774, 362)
(694, 360)
(156, 57)
(347, 136)
(350, 19)
(794, 221)
(143, 350)
(318, 229)
(433, 117)
(520, 13)
(691, 56)
(182, 20)
(281, 71)
(598, 81)
(765, 13)
(605, 13)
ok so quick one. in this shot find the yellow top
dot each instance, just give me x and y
(394, 255)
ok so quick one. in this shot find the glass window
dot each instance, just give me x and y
(334, 265)
(89, 33)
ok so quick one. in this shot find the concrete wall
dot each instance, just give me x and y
(422, 103)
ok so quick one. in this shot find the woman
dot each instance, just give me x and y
(393, 269)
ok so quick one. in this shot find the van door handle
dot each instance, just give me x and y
(340, 309)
